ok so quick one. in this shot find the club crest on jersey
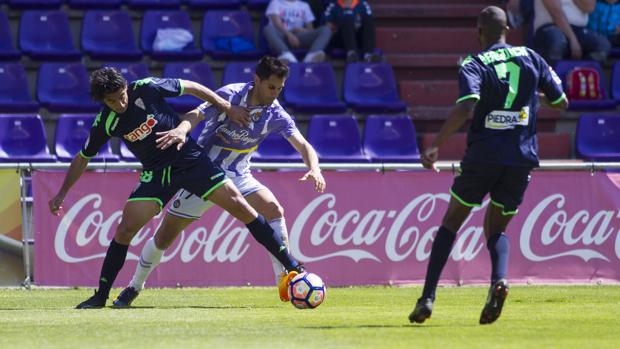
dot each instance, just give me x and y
(142, 131)
(140, 104)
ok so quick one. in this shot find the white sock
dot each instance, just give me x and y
(279, 225)
(149, 260)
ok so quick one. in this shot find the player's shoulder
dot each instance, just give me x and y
(232, 88)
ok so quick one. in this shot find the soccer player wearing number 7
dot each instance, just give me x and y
(500, 87)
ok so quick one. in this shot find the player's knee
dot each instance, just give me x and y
(273, 211)
(124, 233)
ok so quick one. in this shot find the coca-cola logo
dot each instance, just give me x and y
(323, 231)
(225, 242)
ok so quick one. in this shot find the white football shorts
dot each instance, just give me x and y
(188, 205)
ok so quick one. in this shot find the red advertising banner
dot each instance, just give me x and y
(367, 228)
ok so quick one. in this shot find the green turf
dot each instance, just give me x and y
(360, 317)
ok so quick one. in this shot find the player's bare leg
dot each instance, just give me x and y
(135, 215)
(150, 257)
(453, 219)
(495, 223)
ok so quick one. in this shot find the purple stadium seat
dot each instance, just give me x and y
(153, 20)
(131, 71)
(34, 4)
(212, 4)
(45, 35)
(389, 138)
(597, 137)
(153, 4)
(64, 87)
(22, 139)
(95, 4)
(72, 131)
(371, 88)
(223, 28)
(311, 88)
(108, 35)
(7, 51)
(126, 154)
(14, 95)
(256, 5)
(276, 148)
(563, 67)
(238, 72)
(336, 138)
(615, 82)
(196, 71)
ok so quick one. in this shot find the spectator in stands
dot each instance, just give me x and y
(606, 20)
(560, 31)
(290, 26)
(318, 8)
(353, 24)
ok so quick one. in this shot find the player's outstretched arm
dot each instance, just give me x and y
(311, 159)
(457, 118)
(236, 113)
(78, 165)
(178, 135)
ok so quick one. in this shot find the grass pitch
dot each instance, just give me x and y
(358, 317)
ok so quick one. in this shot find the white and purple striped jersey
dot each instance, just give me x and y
(231, 146)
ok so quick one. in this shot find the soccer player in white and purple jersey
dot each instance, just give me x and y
(230, 142)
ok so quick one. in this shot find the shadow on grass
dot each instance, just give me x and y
(339, 327)
(192, 307)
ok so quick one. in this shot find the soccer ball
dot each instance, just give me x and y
(306, 290)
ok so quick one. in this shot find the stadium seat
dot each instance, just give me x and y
(389, 138)
(7, 51)
(95, 4)
(126, 154)
(564, 67)
(34, 4)
(275, 148)
(615, 82)
(153, 20)
(22, 139)
(238, 72)
(311, 88)
(256, 5)
(597, 137)
(131, 71)
(72, 131)
(108, 35)
(453, 148)
(552, 145)
(212, 4)
(45, 35)
(14, 94)
(64, 87)
(197, 71)
(371, 88)
(336, 138)
(229, 29)
(153, 4)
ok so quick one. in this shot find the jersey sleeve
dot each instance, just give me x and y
(469, 81)
(209, 110)
(163, 87)
(98, 135)
(550, 83)
(286, 126)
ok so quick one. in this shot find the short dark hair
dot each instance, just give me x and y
(105, 80)
(492, 22)
(268, 66)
